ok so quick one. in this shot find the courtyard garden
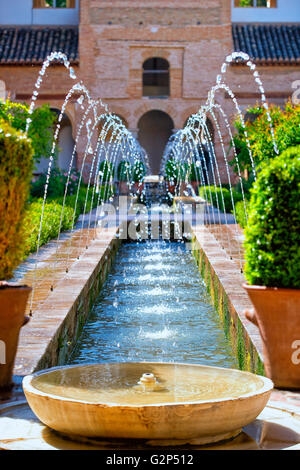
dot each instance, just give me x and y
(134, 323)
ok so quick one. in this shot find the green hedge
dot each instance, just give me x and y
(240, 214)
(216, 194)
(51, 222)
(52, 215)
(138, 171)
(16, 163)
(124, 171)
(272, 238)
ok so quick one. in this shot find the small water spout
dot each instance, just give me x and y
(148, 382)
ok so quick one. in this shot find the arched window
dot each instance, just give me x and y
(156, 77)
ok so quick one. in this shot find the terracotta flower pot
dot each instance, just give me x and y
(138, 187)
(171, 187)
(123, 187)
(277, 315)
(195, 185)
(13, 299)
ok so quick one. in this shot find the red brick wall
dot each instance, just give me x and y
(116, 37)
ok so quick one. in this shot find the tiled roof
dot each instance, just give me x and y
(32, 45)
(268, 44)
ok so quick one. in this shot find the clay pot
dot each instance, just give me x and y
(13, 299)
(195, 185)
(138, 187)
(277, 315)
(123, 187)
(171, 187)
(182, 188)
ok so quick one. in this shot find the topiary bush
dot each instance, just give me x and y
(106, 172)
(272, 238)
(172, 171)
(138, 171)
(16, 164)
(50, 226)
(124, 171)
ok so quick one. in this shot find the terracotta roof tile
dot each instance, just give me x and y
(268, 44)
(32, 45)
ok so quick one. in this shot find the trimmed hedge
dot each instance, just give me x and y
(52, 215)
(124, 171)
(138, 171)
(50, 226)
(16, 164)
(216, 194)
(240, 215)
(272, 238)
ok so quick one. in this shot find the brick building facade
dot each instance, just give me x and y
(112, 42)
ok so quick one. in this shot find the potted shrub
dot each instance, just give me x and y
(138, 175)
(272, 250)
(195, 176)
(16, 163)
(124, 176)
(172, 175)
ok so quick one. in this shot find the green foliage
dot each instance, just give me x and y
(272, 238)
(50, 226)
(106, 172)
(52, 214)
(240, 213)
(286, 124)
(195, 173)
(41, 127)
(16, 162)
(124, 171)
(57, 184)
(246, 3)
(138, 171)
(216, 195)
(172, 170)
(250, 3)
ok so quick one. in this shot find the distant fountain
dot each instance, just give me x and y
(189, 146)
(121, 145)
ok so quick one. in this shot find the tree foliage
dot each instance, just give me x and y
(286, 124)
(41, 127)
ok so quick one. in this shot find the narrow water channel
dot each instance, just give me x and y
(153, 307)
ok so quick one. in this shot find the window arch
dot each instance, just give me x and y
(156, 77)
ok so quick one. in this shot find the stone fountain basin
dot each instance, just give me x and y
(191, 403)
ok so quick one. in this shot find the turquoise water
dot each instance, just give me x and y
(153, 307)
